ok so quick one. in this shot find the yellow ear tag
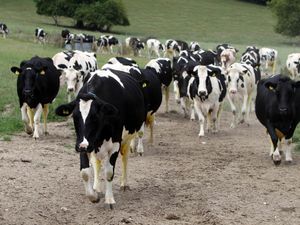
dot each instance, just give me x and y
(271, 88)
(144, 85)
(42, 72)
(65, 112)
(213, 75)
(17, 73)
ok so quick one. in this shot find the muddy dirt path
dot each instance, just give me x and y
(226, 178)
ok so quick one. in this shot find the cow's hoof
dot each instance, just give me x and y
(28, 130)
(46, 133)
(277, 162)
(125, 188)
(140, 153)
(95, 198)
(111, 206)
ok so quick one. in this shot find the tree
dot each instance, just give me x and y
(96, 14)
(288, 16)
(102, 15)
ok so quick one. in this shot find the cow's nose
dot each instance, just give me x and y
(282, 109)
(201, 93)
(233, 91)
(70, 89)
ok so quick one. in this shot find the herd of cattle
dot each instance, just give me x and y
(111, 105)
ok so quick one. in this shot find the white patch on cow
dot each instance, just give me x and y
(28, 68)
(120, 67)
(84, 108)
(106, 74)
(84, 143)
(154, 64)
(36, 119)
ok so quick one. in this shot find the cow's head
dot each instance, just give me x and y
(284, 89)
(202, 78)
(163, 69)
(297, 63)
(93, 119)
(235, 77)
(73, 78)
(28, 76)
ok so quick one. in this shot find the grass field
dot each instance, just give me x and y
(210, 22)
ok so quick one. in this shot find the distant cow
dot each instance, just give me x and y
(37, 86)
(227, 57)
(107, 113)
(107, 42)
(154, 47)
(293, 64)
(241, 88)
(195, 46)
(277, 108)
(135, 45)
(123, 61)
(268, 58)
(207, 89)
(67, 36)
(220, 48)
(40, 35)
(172, 49)
(182, 45)
(3, 30)
(251, 56)
(75, 66)
(162, 67)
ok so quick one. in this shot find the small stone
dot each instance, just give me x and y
(64, 209)
(126, 221)
(172, 217)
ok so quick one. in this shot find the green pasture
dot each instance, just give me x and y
(210, 22)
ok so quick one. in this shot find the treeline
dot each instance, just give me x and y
(261, 2)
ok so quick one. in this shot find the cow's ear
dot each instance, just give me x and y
(15, 70)
(271, 86)
(65, 109)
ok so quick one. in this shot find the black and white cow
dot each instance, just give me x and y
(182, 45)
(3, 30)
(152, 91)
(251, 56)
(75, 66)
(277, 108)
(172, 49)
(162, 67)
(268, 58)
(40, 35)
(207, 89)
(155, 47)
(135, 45)
(293, 64)
(67, 36)
(107, 42)
(240, 90)
(37, 86)
(107, 113)
(195, 46)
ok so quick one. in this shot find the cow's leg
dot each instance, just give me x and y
(192, 109)
(219, 116)
(150, 121)
(140, 146)
(124, 155)
(37, 119)
(45, 115)
(166, 89)
(96, 164)
(288, 151)
(109, 172)
(233, 110)
(176, 91)
(244, 108)
(25, 119)
(183, 106)
(201, 119)
(213, 118)
(208, 121)
(87, 175)
(275, 154)
(248, 108)
(30, 113)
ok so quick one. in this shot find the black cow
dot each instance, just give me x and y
(37, 86)
(107, 42)
(277, 108)
(182, 45)
(3, 29)
(40, 35)
(135, 45)
(107, 113)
